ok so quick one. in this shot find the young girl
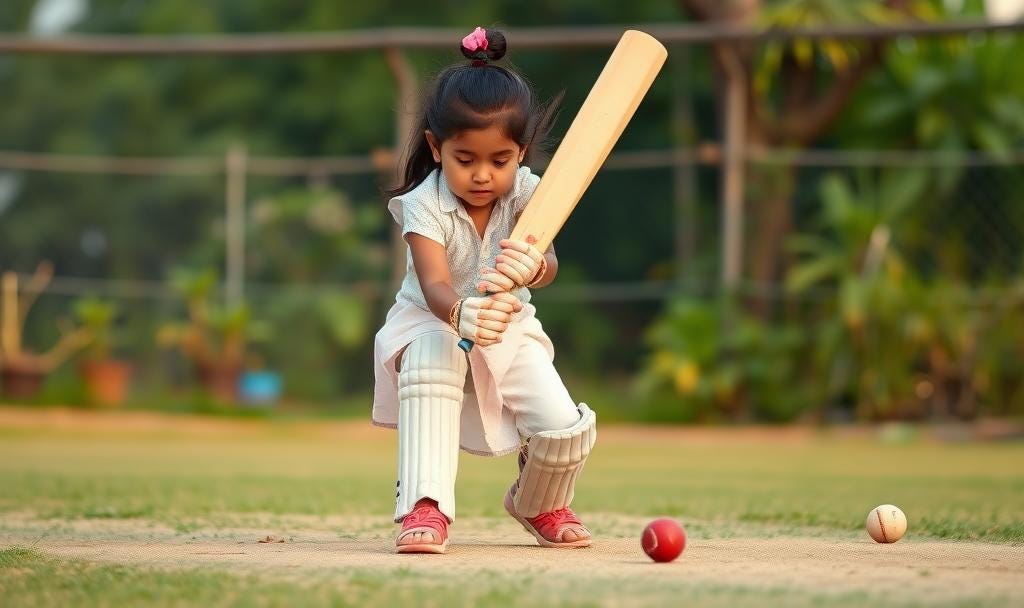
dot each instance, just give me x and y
(463, 189)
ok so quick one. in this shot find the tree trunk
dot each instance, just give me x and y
(797, 116)
(771, 217)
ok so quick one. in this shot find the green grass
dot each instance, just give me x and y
(962, 491)
(248, 469)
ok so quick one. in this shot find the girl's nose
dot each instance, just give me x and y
(481, 176)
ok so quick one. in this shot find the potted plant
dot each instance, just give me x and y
(106, 379)
(214, 338)
(22, 371)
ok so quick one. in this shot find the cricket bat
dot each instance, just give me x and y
(623, 82)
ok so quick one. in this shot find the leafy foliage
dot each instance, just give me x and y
(712, 361)
(834, 55)
(97, 317)
(948, 95)
(865, 324)
(214, 336)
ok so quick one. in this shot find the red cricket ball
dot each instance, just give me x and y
(664, 539)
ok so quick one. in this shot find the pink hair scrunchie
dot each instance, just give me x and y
(476, 40)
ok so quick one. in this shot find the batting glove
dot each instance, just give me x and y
(483, 320)
(520, 261)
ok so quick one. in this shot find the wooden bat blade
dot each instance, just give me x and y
(607, 110)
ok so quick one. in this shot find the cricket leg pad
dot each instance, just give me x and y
(553, 462)
(430, 393)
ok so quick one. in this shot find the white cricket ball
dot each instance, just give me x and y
(886, 523)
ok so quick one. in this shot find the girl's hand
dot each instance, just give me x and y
(492, 281)
(483, 320)
(519, 261)
(505, 299)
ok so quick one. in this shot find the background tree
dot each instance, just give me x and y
(320, 104)
(794, 92)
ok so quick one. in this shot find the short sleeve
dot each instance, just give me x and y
(527, 185)
(414, 214)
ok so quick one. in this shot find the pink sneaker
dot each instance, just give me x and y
(550, 528)
(427, 519)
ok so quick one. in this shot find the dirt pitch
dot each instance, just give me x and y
(911, 571)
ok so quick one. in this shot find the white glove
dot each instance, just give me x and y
(483, 320)
(519, 261)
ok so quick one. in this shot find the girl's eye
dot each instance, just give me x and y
(500, 163)
(463, 161)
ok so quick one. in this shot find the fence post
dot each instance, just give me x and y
(405, 117)
(684, 183)
(234, 224)
(733, 170)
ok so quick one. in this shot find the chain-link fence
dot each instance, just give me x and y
(862, 247)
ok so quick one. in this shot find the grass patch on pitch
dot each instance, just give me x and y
(966, 491)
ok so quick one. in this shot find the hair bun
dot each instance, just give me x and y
(495, 48)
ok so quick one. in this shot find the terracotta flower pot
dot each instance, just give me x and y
(106, 381)
(221, 380)
(20, 381)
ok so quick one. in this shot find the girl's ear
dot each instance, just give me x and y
(522, 154)
(435, 145)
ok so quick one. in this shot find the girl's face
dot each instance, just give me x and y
(480, 165)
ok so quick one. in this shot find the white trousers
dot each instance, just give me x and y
(429, 417)
(535, 394)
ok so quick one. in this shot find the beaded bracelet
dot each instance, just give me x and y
(454, 314)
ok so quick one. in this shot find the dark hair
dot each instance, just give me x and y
(476, 96)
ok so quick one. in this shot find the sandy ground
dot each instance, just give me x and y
(750, 556)
(913, 570)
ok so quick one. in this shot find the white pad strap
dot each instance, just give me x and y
(552, 465)
(430, 386)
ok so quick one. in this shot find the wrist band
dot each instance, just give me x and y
(540, 273)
